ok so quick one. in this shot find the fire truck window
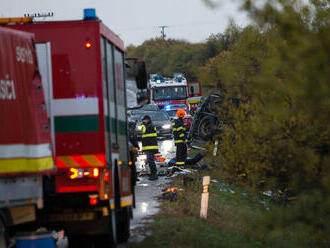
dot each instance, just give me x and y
(105, 100)
(111, 93)
(121, 105)
(170, 93)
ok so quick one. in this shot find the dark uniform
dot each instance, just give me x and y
(179, 133)
(150, 146)
(133, 148)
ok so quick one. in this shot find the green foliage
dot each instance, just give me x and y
(173, 56)
(279, 135)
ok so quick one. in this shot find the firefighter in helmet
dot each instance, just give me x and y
(150, 145)
(179, 133)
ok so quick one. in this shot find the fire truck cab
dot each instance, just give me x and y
(167, 91)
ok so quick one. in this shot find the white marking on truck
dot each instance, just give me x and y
(7, 89)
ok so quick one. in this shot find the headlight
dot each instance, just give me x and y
(166, 126)
(139, 128)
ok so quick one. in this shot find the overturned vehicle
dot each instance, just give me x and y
(206, 123)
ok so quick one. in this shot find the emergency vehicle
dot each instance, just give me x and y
(171, 94)
(165, 91)
(25, 140)
(82, 67)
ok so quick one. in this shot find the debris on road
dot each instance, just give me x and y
(170, 194)
(225, 188)
(198, 157)
(170, 189)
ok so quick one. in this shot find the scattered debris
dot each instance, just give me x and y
(196, 159)
(215, 150)
(214, 181)
(268, 193)
(170, 196)
(170, 189)
(225, 188)
(159, 158)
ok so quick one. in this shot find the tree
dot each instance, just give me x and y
(279, 135)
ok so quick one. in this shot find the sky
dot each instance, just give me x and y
(138, 20)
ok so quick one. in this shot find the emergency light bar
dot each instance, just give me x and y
(168, 107)
(90, 14)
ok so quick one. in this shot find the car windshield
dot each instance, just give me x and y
(150, 107)
(157, 116)
(171, 113)
(169, 93)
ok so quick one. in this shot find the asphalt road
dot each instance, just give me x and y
(147, 192)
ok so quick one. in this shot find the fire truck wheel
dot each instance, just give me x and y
(113, 229)
(123, 224)
(3, 235)
(103, 241)
(206, 127)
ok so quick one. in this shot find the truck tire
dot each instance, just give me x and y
(3, 234)
(103, 241)
(207, 127)
(113, 227)
(123, 224)
(122, 215)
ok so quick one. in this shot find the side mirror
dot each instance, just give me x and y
(192, 91)
(141, 76)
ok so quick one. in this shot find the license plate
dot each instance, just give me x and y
(72, 217)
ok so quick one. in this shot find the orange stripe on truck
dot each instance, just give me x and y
(84, 160)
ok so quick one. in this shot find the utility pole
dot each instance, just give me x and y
(163, 31)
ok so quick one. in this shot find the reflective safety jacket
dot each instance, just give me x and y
(149, 138)
(179, 131)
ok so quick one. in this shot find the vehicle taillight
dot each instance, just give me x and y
(88, 44)
(96, 172)
(74, 173)
(77, 173)
(93, 201)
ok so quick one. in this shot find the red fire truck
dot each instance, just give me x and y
(165, 91)
(25, 151)
(91, 192)
(174, 93)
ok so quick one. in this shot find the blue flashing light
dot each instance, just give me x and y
(90, 14)
(168, 107)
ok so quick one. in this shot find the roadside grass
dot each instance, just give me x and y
(235, 218)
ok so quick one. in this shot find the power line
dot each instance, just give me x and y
(183, 25)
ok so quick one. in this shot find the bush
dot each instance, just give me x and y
(279, 135)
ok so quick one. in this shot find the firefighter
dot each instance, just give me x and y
(150, 145)
(179, 133)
